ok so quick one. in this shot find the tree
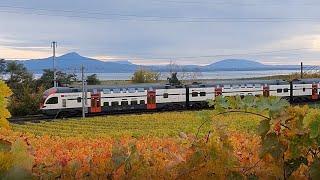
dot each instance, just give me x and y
(173, 80)
(145, 76)
(63, 79)
(18, 75)
(27, 93)
(2, 66)
(93, 80)
(27, 101)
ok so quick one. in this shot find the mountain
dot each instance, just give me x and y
(234, 64)
(243, 64)
(73, 61)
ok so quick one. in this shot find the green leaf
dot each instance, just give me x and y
(221, 103)
(314, 128)
(252, 177)
(277, 105)
(271, 145)
(262, 103)
(234, 102)
(234, 176)
(264, 127)
(248, 102)
(315, 169)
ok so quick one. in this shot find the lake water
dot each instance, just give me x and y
(198, 75)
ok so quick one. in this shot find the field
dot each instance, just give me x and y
(243, 142)
(166, 124)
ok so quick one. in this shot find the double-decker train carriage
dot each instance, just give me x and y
(144, 97)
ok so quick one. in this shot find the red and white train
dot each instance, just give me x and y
(141, 97)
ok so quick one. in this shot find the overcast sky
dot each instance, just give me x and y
(157, 31)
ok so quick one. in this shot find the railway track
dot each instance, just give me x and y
(30, 118)
(39, 117)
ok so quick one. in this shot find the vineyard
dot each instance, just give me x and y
(249, 138)
(169, 124)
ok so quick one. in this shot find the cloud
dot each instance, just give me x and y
(21, 54)
(27, 33)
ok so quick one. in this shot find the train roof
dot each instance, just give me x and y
(306, 81)
(215, 83)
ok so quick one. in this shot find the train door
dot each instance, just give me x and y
(95, 103)
(151, 100)
(266, 91)
(315, 94)
(218, 91)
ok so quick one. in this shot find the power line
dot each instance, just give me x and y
(151, 18)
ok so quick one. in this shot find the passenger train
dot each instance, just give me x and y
(67, 101)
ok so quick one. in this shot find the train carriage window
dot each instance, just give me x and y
(131, 90)
(124, 90)
(285, 90)
(202, 93)
(79, 99)
(165, 95)
(115, 103)
(140, 89)
(106, 91)
(106, 104)
(279, 90)
(116, 90)
(124, 103)
(134, 102)
(225, 87)
(142, 102)
(194, 94)
(53, 100)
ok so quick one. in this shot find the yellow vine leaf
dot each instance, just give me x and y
(5, 92)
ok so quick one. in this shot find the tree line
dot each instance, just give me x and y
(27, 90)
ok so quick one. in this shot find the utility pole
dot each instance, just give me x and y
(301, 70)
(83, 93)
(54, 45)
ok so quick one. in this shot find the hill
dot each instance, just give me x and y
(72, 61)
(235, 64)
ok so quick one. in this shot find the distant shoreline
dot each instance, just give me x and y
(272, 77)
